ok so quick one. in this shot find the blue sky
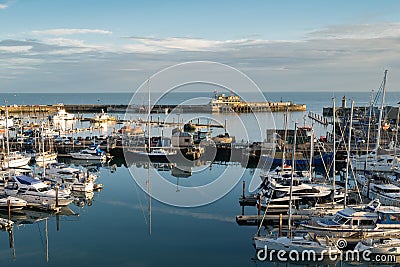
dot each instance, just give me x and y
(105, 46)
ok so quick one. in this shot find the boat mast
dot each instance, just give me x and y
(348, 154)
(291, 182)
(334, 149)
(371, 105)
(148, 116)
(311, 151)
(381, 114)
(149, 150)
(44, 167)
(7, 136)
(397, 132)
(284, 141)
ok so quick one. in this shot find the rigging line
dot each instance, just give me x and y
(324, 164)
(266, 209)
(355, 182)
(380, 91)
(351, 166)
(140, 202)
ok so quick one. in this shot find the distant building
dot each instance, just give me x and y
(233, 103)
(181, 139)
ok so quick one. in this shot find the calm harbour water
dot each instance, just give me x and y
(115, 229)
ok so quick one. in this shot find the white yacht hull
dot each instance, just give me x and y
(87, 156)
(47, 157)
(298, 244)
(15, 203)
(16, 163)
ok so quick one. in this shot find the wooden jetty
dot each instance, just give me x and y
(268, 220)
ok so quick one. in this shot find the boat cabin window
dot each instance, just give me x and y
(32, 190)
(341, 220)
(44, 189)
(391, 190)
(366, 222)
(393, 217)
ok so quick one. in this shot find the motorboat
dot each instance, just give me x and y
(305, 195)
(158, 154)
(301, 244)
(379, 246)
(35, 191)
(14, 203)
(388, 194)
(374, 162)
(93, 152)
(285, 173)
(61, 114)
(350, 221)
(73, 178)
(102, 117)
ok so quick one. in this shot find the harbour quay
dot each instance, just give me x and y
(215, 106)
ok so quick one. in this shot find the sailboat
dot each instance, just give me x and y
(12, 159)
(45, 156)
(319, 246)
(154, 154)
(373, 161)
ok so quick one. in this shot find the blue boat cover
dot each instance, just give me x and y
(23, 179)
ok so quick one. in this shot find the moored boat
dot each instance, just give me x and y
(93, 152)
(15, 160)
(379, 246)
(372, 219)
(301, 244)
(61, 114)
(13, 202)
(35, 191)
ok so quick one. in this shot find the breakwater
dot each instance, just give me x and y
(165, 109)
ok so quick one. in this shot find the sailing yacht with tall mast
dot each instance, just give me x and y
(290, 243)
(373, 161)
(45, 157)
(158, 153)
(12, 159)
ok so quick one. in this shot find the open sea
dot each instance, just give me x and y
(118, 227)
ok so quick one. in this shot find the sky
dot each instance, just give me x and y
(114, 46)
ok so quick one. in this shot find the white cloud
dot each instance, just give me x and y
(15, 49)
(143, 44)
(3, 6)
(318, 60)
(60, 32)
(361, 31)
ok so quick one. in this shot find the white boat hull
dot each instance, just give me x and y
(16, 163)
(391, 247)
(15, 203)
(298, 244)
(47, 158)
(87, 156)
